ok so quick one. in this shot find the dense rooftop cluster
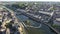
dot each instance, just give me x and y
(7, 22)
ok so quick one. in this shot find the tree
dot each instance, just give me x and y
(27, 22)
(8, 25)
(22, 5)
(0, 23)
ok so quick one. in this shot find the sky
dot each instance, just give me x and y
(33, 0)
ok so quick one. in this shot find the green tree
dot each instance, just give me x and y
(27, 22)
(8, 25)
(22, 5)
(0, 23)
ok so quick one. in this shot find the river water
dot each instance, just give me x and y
(42, 30)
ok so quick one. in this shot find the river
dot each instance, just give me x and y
(42, 30)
